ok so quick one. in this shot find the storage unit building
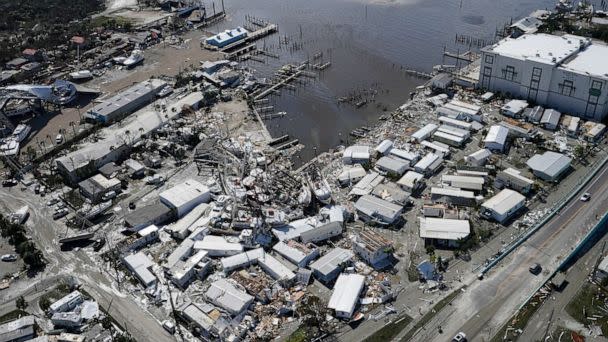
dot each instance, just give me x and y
(464, 182)
(549, 166)
(429, 164)
(228, 296)
(453, 196)
(550, 119)
(185, 196)
(503, 205)
(392, 166)
(512, 179)
(425, 132)
(496, 139)
(478, 158)
(372, 208)
(345, 295)
(331, 264)
(356, 154)
(443, 232)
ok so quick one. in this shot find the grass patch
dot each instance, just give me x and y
(298, 336)
(55, 294)
(589, 303)
(389, 331)
(13, 315)
(429, 315)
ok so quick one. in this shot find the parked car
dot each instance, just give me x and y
(59, 139)
(98, 244)
(156, 179)
(8, 257)
(9, 182)
(52, 201)
(535, 268)
(586, 196)
(37, 189)
(132, 205)
(169, 326)
(108, 195)
(59, 213)
(460, 337)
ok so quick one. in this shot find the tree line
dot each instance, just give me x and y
(15, 233)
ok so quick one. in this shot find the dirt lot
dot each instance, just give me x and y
(7, 268)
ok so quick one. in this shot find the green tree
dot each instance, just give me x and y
(20, 303)
(44, 303)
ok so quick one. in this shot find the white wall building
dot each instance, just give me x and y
(503, 205)
(566, 72)
(345, 295)
(496, 139)
(372, 247)
(67, 303)
(185, 196)
(445, 232)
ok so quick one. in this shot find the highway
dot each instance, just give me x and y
(77, 264)
(487, 304)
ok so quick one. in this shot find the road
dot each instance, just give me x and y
(77, 264)
(488, 304)
(553, 311)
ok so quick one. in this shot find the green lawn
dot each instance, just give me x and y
(13, 315)
(589, 301)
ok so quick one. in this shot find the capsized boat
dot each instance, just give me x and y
(81, 75)
(135, 58)
(319, 185)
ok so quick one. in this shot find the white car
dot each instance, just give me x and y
(460, 337)
(586, 196)
(8, 257)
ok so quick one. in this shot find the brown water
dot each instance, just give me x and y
(369, 44)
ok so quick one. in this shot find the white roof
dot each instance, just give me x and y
(425, 131)
(591, 60)
(541, 47)
(459, 132)
(504, 201)
(453, 122)
(189, 220)
(482, 154)
(437, 146)
(452, 192)
(574, 123)
(396, 165)
(182, 270)
(275, 268)
(183, 250)
(384, 146)
(293, 254)
(461, 108)
(140, 263)
(367, 184)
(295, 228)
(227, 35)
(332, 260)
(64, 300)
(242, 259)
(497, 134)
(217, 243)
(346, 292)
(409, 178)
(427, 161)
(449, 136)
(184, 193)
(515, 106)
(148, 230)
(226, 295)
(445, 229)
(551, 116)
(515, 175)
(352, 172)
(403, 154)
(373, 206)
(549, 163)
(464, 182)
(357, 152)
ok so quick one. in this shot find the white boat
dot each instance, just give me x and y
(21, 215)
(81, 75)
(119, 60)
(319, 186)
(9, 147)
(21, 132)
(305, 195)
(136, 57)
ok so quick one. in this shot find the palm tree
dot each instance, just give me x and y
(73, 125)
